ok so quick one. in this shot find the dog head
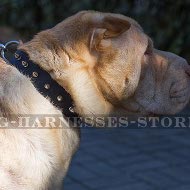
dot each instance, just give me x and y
(123, 66)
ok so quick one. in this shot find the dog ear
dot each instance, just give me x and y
(111, 27)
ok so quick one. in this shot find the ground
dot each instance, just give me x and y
(131, 159)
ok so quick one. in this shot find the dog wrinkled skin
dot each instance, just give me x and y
(108, 65)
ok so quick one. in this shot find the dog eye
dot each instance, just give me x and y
(149, 49)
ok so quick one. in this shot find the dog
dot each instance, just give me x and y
(108, 65)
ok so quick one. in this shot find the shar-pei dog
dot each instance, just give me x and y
(108, 65)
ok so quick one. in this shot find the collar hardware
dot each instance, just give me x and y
(4, 48)
(17, 56)
(47, 86)
(35, 74)
(24, 63)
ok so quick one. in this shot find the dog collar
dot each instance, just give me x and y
(44, 83)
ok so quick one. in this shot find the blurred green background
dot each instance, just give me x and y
(167, 22)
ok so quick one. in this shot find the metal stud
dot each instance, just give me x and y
(17, 56)
(59, 98)
(71, 109)
(24, 63)
(47, 86)
(35, 74)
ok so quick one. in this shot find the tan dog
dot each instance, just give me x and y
(99, 58)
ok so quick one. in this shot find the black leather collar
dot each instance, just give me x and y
(44, 83)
